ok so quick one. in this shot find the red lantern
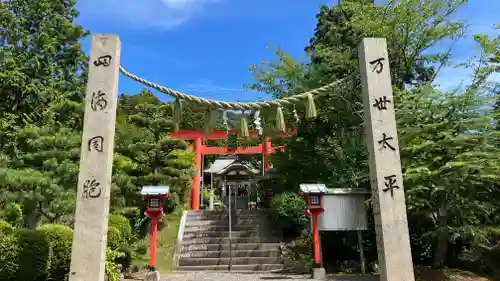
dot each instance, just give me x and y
(154, 196)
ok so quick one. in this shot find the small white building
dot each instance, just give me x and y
(230, 173)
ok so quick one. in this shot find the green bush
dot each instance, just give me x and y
(12, 213)
(6, 227)
(34, 255)
(171, 203)
(114, 237)
(9, 252)
(142, 247)
(206, 198)
(300, 255)
(122, 224)
(110, 265)
(60, 239)
(288, 210)
(125, 256)
(129, 212)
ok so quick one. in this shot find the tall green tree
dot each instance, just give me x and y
(146, 153)
(41, 57)
(452, 143)
(42, 75)
(335, 138)
(451, 163)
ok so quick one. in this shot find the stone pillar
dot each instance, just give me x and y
(393, 242)
(96, 160)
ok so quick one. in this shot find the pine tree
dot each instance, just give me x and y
(144, 147)
(42, 76)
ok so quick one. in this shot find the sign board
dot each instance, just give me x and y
(343, 212)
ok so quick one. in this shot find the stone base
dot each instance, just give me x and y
(318, 273)
(152, 276)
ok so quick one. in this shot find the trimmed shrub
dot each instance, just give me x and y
(122, 224)
(13, 214)
(34, 255)
(60, 239)
(129, 212)
(114, 237)
(6, 228)
(9, 252)
(288, 210)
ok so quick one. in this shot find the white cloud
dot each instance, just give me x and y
(143, 13)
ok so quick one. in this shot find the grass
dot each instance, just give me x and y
(166, 242)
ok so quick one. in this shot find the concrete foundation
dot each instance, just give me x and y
(318, 273)
(152, 276)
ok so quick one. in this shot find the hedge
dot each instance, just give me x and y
(6, 227)
(34, 255)
(9, 251)
(122, 224)
(114, 237)
(60, 239)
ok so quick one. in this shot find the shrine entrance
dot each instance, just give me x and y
(236, 178)
(233, 175)
(388, 198)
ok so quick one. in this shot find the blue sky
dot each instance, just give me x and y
(204, 47)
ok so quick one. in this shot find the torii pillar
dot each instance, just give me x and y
(195, 193)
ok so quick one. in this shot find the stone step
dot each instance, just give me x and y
(225, 247)
(225, 254)
(206, 234)
(225, 240)
(226, 214)
(222, 227)
(225, 261)
(226, 211)
(234, 234)
(234, 268)
(226, 219)
(220, 222)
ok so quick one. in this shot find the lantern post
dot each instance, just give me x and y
(314, 195)
(155, 197)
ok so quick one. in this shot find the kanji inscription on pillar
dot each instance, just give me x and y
(393, 243)
(96, 159)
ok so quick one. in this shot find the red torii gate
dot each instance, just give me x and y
(200, 149)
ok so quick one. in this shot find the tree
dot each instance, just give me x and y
(335, 138)
(145, 153)
(451, 164)
(447, 156)
(41, 58)
(42, 72)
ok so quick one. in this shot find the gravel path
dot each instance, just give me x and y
(222, 276)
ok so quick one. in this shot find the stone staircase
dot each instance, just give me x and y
(204, 242)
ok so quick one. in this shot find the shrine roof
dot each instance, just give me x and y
(155, 190)
(222, 165)
(314, 188)
(219, 165)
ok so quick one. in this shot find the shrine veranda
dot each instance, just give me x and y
(94, 181)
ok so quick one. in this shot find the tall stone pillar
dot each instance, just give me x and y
(96, 160)
(393, 241)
